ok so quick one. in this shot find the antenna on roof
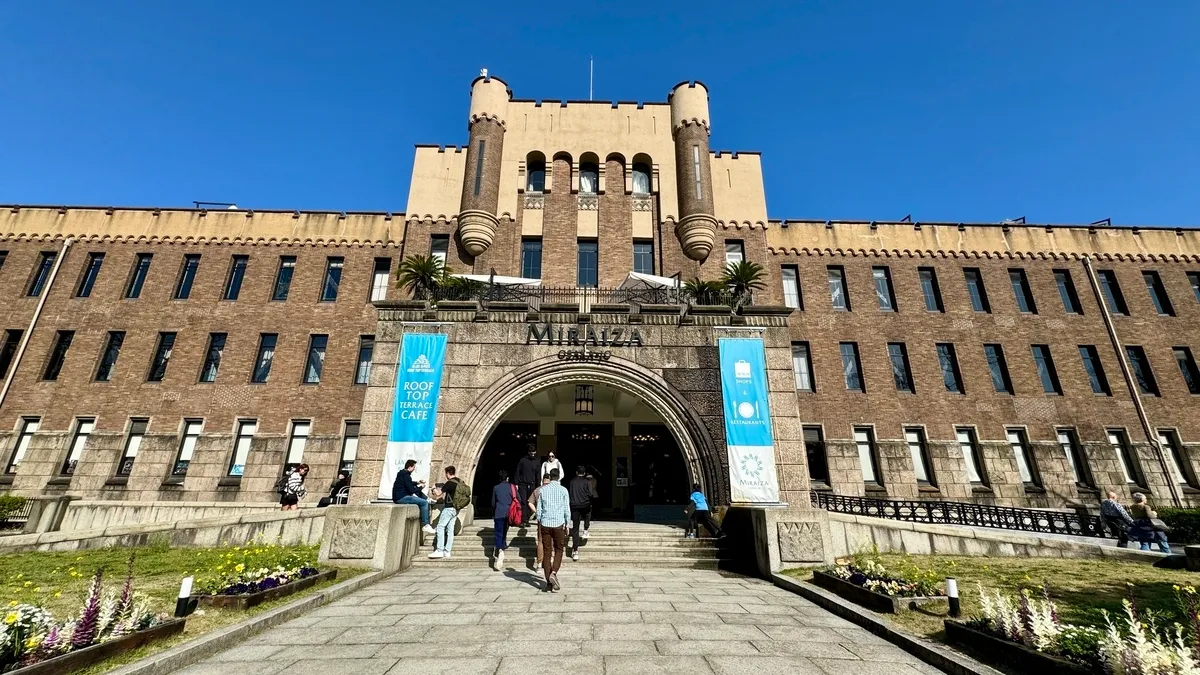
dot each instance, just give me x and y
(590, 71)
(906, 219)
(483, 73)
(1107, 222)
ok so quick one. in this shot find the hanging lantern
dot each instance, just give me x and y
(584, 399)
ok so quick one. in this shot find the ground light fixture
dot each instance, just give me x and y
(585, 401)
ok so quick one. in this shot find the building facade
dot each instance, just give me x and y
(190, 354)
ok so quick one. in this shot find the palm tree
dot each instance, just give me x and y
(743, 277)
(420, 274)
(702, 292)
(462, 289)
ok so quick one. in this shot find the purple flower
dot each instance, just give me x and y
(85, 630)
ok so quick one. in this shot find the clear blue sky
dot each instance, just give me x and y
(1060, 111)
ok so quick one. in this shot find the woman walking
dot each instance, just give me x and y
(503, 496)
(1143, 529)
(293, 489)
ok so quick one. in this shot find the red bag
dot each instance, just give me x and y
(515, 512)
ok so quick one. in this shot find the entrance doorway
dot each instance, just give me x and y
(590, 445)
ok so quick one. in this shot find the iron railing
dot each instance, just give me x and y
(17, 518)
(585, 297)
(963, 513)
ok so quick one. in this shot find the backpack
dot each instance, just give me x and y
(515, 512)
(462, 495)
(282, 482)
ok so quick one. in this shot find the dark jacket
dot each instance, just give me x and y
(501, 499)
(527, 471)
(581, 492)
(404, 486)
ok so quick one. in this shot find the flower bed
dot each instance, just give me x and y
(999, 651)
(863, 580)
(269, 589)
(872, 600)
(256, 573)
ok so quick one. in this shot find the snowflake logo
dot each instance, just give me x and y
(751, 466)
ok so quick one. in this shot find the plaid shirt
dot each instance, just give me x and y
(554, 505)
(1114, 509)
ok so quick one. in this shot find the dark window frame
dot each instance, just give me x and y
(527, 249)
(876, 482)
(240, 433)
(795, 270)
(1067, 292)
(68, 466)
(126, 461)
(1090, 355)
(40, 278)
(837, 274)
(807, 360)
(901, 353)
(993, 354)
(580, 248)
(1077, 456)
(104, 365)
(57, 357)
(8, 348)
(161, 359)
(180, 466)
(25, 434)
(979, 300)
(1158, 293)
(1194, 281)
(238, 265)
(930, 479)
(344, 465)
(1031, 464)
(890, 294)
(856, 362)
(283, 286)
(262, 362)
(138, 275)
(1127, 457)
(331, 283)
(91, 272)
(1110, 290)
(381, 265)
(643, 254)
(188, 269)
(210, 350)
(314, 362)
(1043, 361)
(817, 455)
(1170, 442)
(1022, 291)
(1187, 368)
(439, 247)
(955, 371)
(365, 342)
(1139, 363)
(976, 456)
(931, 290)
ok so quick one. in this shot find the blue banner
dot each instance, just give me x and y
(752, 473)
(414, 407)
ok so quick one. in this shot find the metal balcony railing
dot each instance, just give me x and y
(586, 297)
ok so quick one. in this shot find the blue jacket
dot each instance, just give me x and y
(700, 501)
(501, 499)
(404, 486)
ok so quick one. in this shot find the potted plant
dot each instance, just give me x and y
(742, 278)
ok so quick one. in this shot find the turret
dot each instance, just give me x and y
(477, 220)
(697, 227)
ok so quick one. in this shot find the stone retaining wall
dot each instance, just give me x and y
(98, 514)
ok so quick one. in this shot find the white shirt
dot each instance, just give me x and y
(546, 466)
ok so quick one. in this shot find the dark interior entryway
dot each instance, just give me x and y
(660, 477)
(589, 445)
(504, 447)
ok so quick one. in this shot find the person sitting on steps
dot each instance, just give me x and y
(405, 491)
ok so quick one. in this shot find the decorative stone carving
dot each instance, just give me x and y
(697, 234)
(476, 230)
(589, 202)
(354, 539)
(535, 201)
(800, 542)
(643, 203)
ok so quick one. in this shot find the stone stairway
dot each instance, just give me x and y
(610, 544)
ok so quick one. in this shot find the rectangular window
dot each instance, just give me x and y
(333, 278)
(1112, 292)
(919, 451)
(1094, 369)
(380, 278)
(1158, 294)
(791, 287)
(241, 446)
(479, 167)
(837, 288)
(1044, 363)
(137, 279)
(283, 278)
(91, 270)
(864, 441)
(948, 361)
(187, 276)
(851, 368)
(1068, 440)
(316, 359)
(975, 289)
(3, 257)
(931, 290)
(187, 446)
(237, 272)
(696, 170)
(1066, 291)
(814, 448)
(1119, 441)
(1194, 280)
(1181, 466)
(998, 367)
(643, 257)
(212, 357)
(349, 448)
(29, 427)
(735, 251)
(83, 429)
(162, 357)
(58, 354)
(41, 273)
(531, 258)
(112, 351)
(589, 272)
(8, 350)
(882, 277)
(1187, 367)
(1022, 292)
(133, 443)
(971, 455)
(802, 367)
(901, 373)
(1025, 465)
(1140, 363)
(266, 354)
(439, 246)
(366, 352)
(296, 442)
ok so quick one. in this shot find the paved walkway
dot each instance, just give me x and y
(605, 621)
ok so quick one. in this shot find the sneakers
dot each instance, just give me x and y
(690, 535)
(584, 534)
(537, 567)
(499, 560)
(436, 555)
(428, 529)
(575, 556)
(554, 586)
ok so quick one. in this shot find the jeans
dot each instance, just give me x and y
(704, 518)
(501, 527)
(422, 504)
(579, 513)
(1160, 538)
(553, 541)
(444, 539)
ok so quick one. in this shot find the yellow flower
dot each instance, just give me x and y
(12, 603)
(37, 590)
(1176, 587)
(58, 594)
(11, 618)
(240, 567)
(28, 584)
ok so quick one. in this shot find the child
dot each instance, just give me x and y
(700, 515)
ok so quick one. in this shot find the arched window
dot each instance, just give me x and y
(641, 176)
(589, 174)
(535, 172)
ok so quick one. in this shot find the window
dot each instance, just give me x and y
(91, 270)
(482, 148)
(349, 448)
(919, 451)
(316, 359)
(1066, 291)
(883, 288)
(814, 448)
(850, 367)
(141, 267)
(1112, 292)
(296, 443)
(641, 179)
(108, 359)
(971, 456)
(696, 170)
(241, 446)
(8, 350)
(3, 257)
(266, 354)
(1068, 440)
(588, 271)
(949, 364)
(29, 427)
(1044, 363)
(998, 367)
(531, 258)
(366, 352)
(1094, 369)
(802, 367)
(83, 429)
(162, 356)
(1194, 280)
(212, 357)
(931, 290)
(133, 443)
(439, 246)
(1141, 370)
(237, 272)
(58, 354)
(1181, 467)
(735, 251)
(380, 278)
(187, 276)
(589, 178)
(975, 289)
(535, 176)
(864, 441)
(283, 278)
(1158, 294)
(1020, 449)
(1022, 291)
(791, 287)
(1119, 440)
(901, 373)
(1187, 367)
(41, 273)
(187, 446)
(643, 257)
(837, 288)
(333, 279)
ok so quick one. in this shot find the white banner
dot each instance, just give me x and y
(752, 474)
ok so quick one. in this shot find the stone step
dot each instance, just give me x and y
(628, 553)
(527, 564)
(591, 541)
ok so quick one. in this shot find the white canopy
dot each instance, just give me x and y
(640, 280)
(499, 280)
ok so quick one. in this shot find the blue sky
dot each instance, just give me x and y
(1058, 111)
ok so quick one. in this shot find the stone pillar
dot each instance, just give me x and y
(779, 538)
(477, 220)
(47, 513)
(697, 227)
(380, 536)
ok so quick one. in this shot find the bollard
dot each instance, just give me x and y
(185, 604)
(952, 597)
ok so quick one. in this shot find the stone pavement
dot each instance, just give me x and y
(606, 621)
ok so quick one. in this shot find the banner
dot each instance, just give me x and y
(752, 474)
(414, 408)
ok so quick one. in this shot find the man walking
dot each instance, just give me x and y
(554, 512)
(701, 515)
(537, 533)
(405, 491)
(582, 495)
(527, 477)
(454, 495)
(1116, 517)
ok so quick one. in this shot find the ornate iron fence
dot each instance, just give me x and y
(963, 513)
(585, 297)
